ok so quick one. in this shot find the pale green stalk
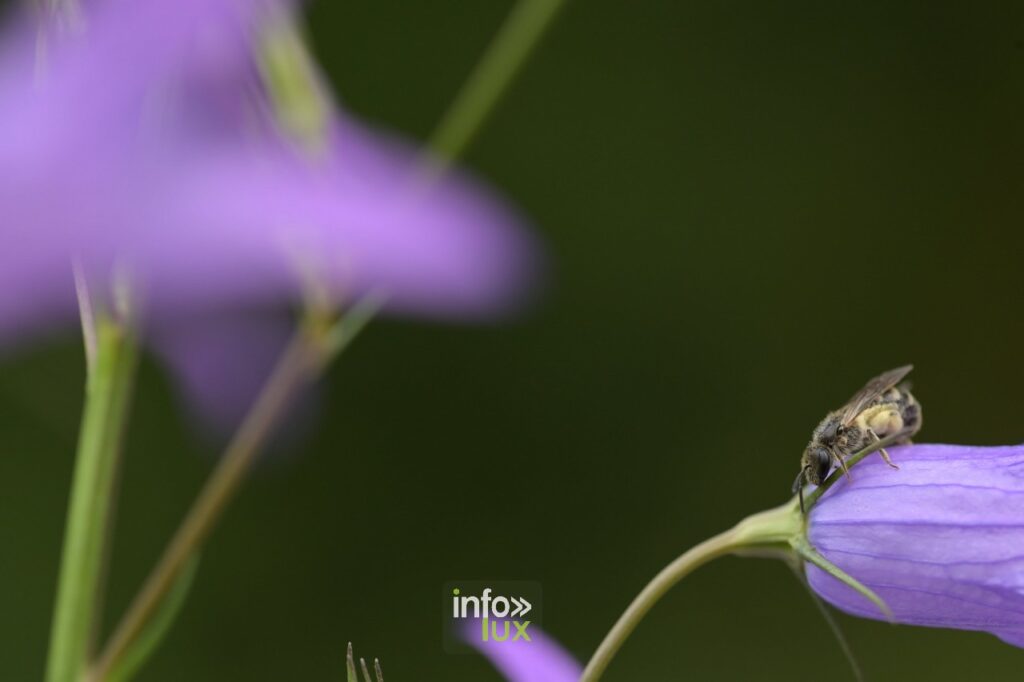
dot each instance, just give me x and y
(310, 351)
(300, 361)
(107, 401)
(767, 529)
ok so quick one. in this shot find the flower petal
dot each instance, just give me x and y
(941, 540)
(221, 362)
(242, 228)
(541, 659)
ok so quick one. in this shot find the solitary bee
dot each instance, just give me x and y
(878, 410)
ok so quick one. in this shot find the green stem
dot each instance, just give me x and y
(296, 367)
(507, 53)
(311, 349)
(770, 529)
(107, 401)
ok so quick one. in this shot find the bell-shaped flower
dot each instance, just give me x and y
(940, 541)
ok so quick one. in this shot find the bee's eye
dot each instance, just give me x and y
(824, 463)
(840, 430)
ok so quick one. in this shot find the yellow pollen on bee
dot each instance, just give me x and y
(882, 419)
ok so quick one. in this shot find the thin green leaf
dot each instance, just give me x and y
(153, 634)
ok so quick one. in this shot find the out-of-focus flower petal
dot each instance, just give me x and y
(144, 144)
(203, 220)
(541, 659)
(941, 540)
(220, 362)
(241, 229)
(91, 91)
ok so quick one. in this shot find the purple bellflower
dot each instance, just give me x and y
(143, 143)
(941, 540)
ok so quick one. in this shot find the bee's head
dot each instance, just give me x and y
(818, 465)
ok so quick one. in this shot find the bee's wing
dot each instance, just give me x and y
(873, 389)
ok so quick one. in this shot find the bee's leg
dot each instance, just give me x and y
(881, 451)
(842, 464)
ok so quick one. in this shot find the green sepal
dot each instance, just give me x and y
(289, 74)
(809, 553)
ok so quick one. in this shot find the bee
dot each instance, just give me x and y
(880, 409)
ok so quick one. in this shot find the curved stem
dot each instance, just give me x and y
(712, 548)
(768, 530)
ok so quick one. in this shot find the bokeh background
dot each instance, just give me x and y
(750, 207)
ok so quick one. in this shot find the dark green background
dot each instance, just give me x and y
(750, 207)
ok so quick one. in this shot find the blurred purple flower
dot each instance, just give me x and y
(541, 659)
(941, 540)
(144, 142)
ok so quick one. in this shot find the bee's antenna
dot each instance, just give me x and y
(798, 487)
(842, 462)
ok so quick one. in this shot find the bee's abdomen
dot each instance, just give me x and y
(910, 409)
(895, 410)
